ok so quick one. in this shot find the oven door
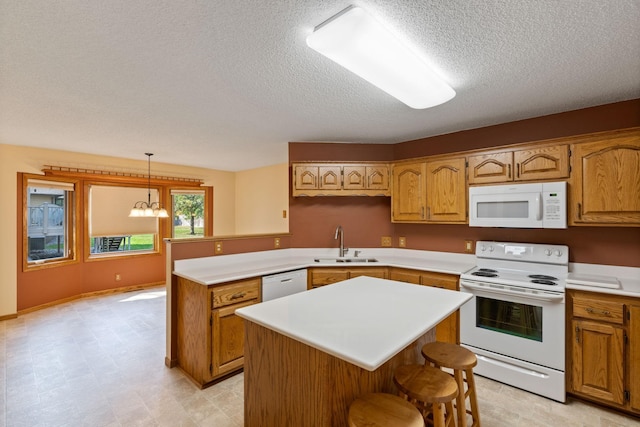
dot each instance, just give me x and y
(525, 324)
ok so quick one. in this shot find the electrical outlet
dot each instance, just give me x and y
(218, 247)
(276, 243)
(402, 242)
(468, 246)
(386, 242)
(118, 278)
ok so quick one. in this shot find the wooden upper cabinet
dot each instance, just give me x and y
(408, 196)
(446, 190)
(332, 179)
(605, 181)
(377, 177)
(490, 168)
(541, 163)
(551, 162)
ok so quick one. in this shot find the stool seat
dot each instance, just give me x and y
(462, 362)
(449, 355)
(428, 388)
(383, 410)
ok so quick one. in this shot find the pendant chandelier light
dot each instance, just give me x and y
(148, 209)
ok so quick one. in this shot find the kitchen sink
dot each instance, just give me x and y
(351, 260)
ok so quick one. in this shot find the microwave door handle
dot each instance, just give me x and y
(539, 207)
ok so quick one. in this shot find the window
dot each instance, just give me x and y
(188, 207)
(49, 216)
(111, 230)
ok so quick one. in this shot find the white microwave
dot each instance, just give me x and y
(539, 205)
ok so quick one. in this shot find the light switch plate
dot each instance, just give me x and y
(385, 242)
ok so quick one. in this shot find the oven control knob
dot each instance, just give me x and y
(483, 248)
(490, 248)
(558, 252)
(547, 252)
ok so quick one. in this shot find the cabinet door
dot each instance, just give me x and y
(634, 356)
(227, 339)
(448, 329)
(605, 186)
(306, 177)
(446, 190)
(409, 196)
(489, 168)
(326, 276)
(379, 272)
(330, 177)
(542, 163)
(354, 177)
(377, 177)
(598, 360)
(407, 276)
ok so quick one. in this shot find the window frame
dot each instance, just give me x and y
(72, 215)
(158, 235)
(207, 193)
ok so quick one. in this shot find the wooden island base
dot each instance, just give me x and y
(288, 383)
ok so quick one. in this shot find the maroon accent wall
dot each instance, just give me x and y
(588, 120)
(328, 151)
(313, 220)
(364, 221)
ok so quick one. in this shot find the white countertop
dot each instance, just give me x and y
(365, 320)
(224, 268)
(602, 278)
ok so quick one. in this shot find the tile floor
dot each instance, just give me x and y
(100, 362)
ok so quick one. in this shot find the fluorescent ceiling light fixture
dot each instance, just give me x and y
(362, 45)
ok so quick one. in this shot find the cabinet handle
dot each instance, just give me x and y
(422, 212)
(579, 210)
(518, 170)
(594, 311)
(428, 212)
(238, 295)
(508, 171)
(578, 334)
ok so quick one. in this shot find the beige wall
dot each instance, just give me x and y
(14, 159)
(261, 196)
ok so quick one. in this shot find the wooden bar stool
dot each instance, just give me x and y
(461, 361)
(383, 410)
(428, 388)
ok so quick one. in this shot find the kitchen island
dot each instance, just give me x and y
(309, 355)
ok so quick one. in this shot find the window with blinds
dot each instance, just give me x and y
(111, 230)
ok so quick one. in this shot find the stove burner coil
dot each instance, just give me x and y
(544, 282)
(488, 270)
(484, 274)
(542, 277)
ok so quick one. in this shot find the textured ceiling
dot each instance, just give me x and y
(225, 84)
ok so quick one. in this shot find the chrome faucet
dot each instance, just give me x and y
(340, 231)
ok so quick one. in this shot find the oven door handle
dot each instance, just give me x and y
(540, 296)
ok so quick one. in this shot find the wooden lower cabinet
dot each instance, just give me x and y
(210, 337)
(322, 276)
(598, 354)
(449, 329)
(604, 349)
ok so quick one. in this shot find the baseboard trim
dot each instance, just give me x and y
(93, 294)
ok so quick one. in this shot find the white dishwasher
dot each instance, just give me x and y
(283, 284)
